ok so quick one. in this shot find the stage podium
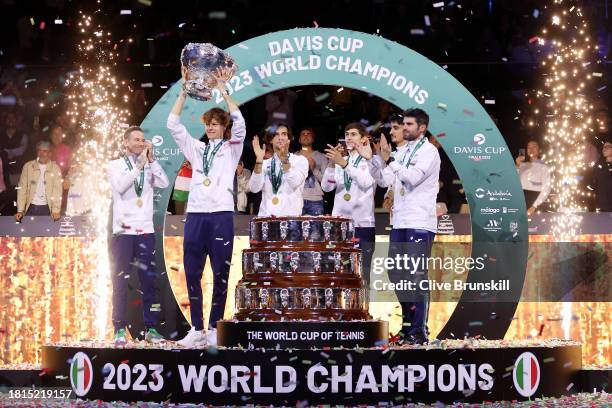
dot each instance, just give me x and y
(302, 287)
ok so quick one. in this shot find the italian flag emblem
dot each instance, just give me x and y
(81, 374)
(526, 374)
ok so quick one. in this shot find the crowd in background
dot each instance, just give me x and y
(483, 42)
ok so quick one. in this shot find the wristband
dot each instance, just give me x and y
(258, 162)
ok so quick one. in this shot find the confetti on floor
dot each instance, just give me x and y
(434, 344)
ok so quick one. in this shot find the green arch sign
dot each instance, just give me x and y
(321, 56)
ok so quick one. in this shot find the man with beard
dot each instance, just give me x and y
(413, 170)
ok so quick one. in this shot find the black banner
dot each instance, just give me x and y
(302, 335)
(286, 377)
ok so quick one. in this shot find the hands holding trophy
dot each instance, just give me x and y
(204, 68)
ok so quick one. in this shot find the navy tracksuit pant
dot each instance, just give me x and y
(129, 253)
(366, 241)
(208, 234)
(416, 243)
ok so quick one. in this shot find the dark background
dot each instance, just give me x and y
(488, 45)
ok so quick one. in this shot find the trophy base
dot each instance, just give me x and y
(302, 334)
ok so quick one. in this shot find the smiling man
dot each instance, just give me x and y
(281, 177)
(355, 186)
(209, 230)
(133, 178)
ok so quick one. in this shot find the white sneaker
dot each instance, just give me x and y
(193, 339)
(211, 337)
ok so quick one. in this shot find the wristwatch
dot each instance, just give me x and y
(389, 160)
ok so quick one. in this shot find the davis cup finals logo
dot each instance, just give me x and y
(81, 374)
(157, 141)
(479, 139)
(526, 374)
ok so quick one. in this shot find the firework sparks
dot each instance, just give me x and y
(96, 103)
(567, 110)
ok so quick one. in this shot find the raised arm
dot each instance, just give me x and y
(179, 133)
(376, 170)
(160, 179)
(297, 174)
(257, 178)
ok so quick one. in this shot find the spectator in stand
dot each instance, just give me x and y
(40, 186)
(13, 142)
(68, 127)
(535, 177)
(7, 193)
(317, 162)
(241, 187)
(279, 106)
(62, 153)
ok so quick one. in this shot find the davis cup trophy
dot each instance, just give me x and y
(201, 61)
(301, 287)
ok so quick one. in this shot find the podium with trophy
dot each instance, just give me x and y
(301, 288)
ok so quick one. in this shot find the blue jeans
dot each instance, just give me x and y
(38, 210)
(415, 243)
(312, 207)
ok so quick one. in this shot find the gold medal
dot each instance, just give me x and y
(402, 191)
(139, 202)
(347, 197)
(275, 200)
(207, 182)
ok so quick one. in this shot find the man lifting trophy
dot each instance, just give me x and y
(209, 230)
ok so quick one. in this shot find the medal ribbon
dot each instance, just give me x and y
(417, 147)
(207, 162)
(275, 179)
(137, 185)
(347, 180)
